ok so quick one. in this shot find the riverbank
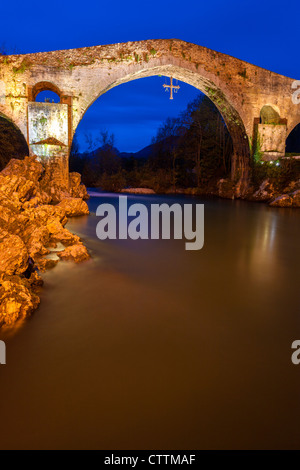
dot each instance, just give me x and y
(33, 237)
(266, 192)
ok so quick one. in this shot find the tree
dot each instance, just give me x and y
(207, 141)
(166, 147)
(5, 50)
(77, 160)
(191, 150)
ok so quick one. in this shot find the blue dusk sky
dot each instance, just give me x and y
(265, 33)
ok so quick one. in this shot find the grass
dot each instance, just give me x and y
(243, 74)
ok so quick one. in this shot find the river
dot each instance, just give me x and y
(150, 346)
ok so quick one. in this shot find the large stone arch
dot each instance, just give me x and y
(14, 124)
(292, 125)
(296, 126)
(13, 143)
(224, 103)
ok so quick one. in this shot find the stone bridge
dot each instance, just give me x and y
(255, 103)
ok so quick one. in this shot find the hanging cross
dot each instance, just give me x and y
(171, 86)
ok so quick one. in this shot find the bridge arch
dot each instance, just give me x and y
(293, 140)
(12, 141)
(240, 165)
(34, 91)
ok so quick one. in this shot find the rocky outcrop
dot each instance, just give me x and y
(18, 297)
(74, 206)
(13, 254)
(33, 216)
(76, 188)
(75, 253)
(293, 186)
(264, 193)
(287, 200)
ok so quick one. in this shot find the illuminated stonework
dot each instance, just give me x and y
(46, 120)
(79, 76)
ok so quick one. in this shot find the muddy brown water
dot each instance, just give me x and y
(150, 346)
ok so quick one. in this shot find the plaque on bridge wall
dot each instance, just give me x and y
(272, 139)
(47, 120)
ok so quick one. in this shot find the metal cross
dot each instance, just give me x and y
(171, 86)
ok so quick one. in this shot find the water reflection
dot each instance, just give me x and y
(259, 254)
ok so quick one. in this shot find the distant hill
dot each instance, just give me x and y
(145, 153)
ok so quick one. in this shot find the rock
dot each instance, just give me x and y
(76, 188)
(60, 234)
(13, 254)
(43, 215)
(11, 202)
(37, 242)
(296, 198)
(11, 220)
(17, 301)
(282, 201)
(74, 207)
(293, 186)
(40, 225)
(35, 279)
(287, 200)
(58, 194)
(75, 253)
(12, 186)
(43, 264)
(41, 198)
(265, 192)
(47, 185)
(29, 225)
(28, 168)
(19, 179)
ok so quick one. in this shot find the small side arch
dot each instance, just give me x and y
(42, 86)
(270, 114)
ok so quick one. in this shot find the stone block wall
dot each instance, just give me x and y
(272, 139)
(47, 120)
